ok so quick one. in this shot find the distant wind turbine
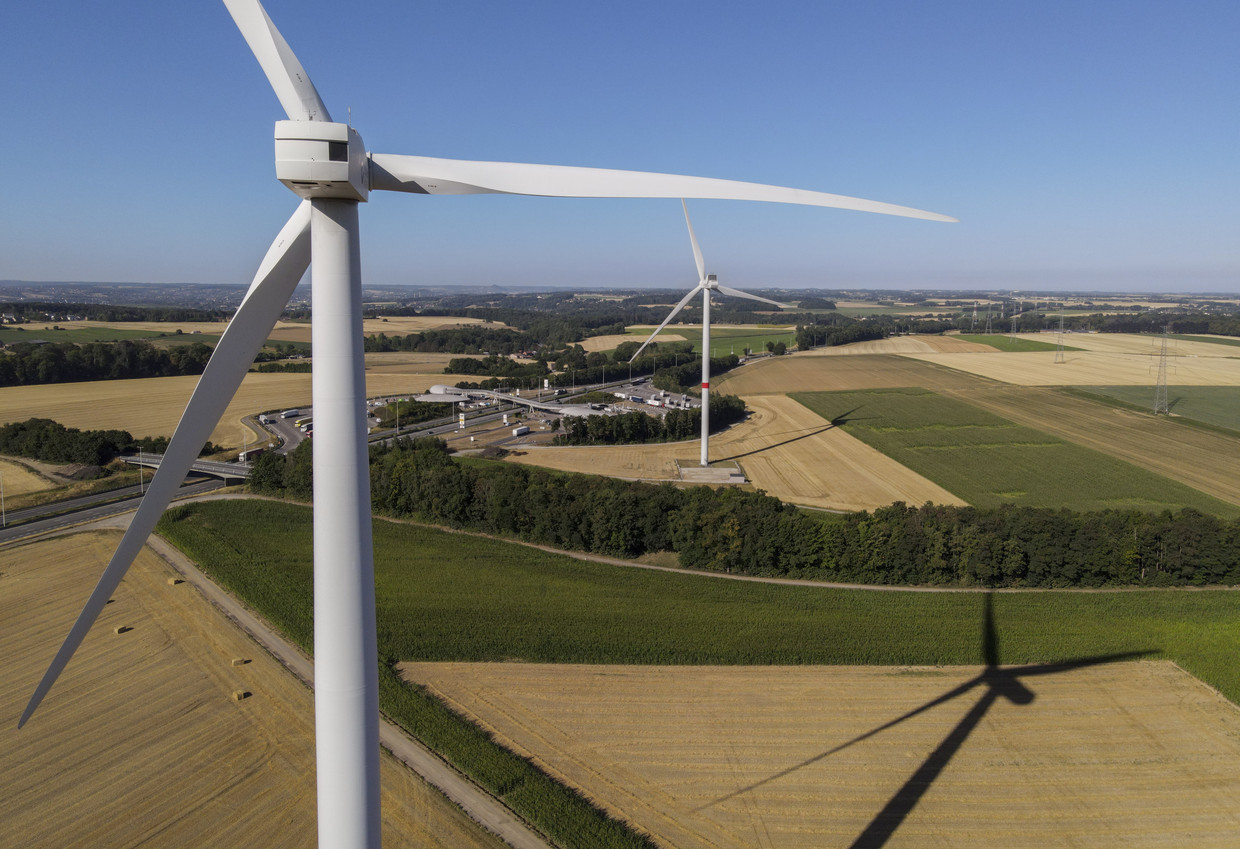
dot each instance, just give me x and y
(326, 165)
(707, 283)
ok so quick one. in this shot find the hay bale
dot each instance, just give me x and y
(121, 629)
(240, 661)
(172, 582)
(238, 695)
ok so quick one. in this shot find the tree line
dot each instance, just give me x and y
(26, 363)
(42, 311)
(637, 426)
(739, 532)
(45, 439)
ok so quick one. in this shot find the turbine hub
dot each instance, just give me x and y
(712, 281)
(321, 159)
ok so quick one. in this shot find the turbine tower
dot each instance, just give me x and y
(326, 165)
(707, 283)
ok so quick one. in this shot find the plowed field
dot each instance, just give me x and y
(141, 742)
(1119, 755)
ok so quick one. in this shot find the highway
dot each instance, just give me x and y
(88, 508)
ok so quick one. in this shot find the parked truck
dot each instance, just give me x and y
(520, 431)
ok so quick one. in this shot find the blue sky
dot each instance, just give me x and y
(1082, 145)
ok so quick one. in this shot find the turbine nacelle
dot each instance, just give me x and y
(711, 282)
(322, 159)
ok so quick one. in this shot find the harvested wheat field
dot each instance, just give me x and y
(803, 373)
(902, 345)
(152, 406)
(1135, 343)
(396, 325)
(783, 448)
(652, 462)
(405, 362)
(1090, 368)
(1203, 459)
(18, 479)
(214, 328)
(141, 741)
(1122, 755)
(607, 343)
(793, 454)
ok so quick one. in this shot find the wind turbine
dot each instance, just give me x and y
(707, 283)
(325, 164)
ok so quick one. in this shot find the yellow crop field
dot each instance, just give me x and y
(19, 480)
(1135, 343)
(153, 327)
(805, 373)
(396, 325)
(1091, 368)
(606, 343)
(901, 345)
(1126, 754)
(141, 741)
(783, 447)
(153, 406)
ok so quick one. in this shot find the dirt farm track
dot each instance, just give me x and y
(1124, 755)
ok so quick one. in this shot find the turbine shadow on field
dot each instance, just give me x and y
(839, 420)
(998, 682)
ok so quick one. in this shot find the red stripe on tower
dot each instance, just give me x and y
(706, 386)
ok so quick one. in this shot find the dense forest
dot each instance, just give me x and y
(730, 530)
(25, 363)
(43, 311)
(45, 439)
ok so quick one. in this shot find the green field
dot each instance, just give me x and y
(1217, 340)
(1213, 405)
(32, 332)
(1003, 342)
(445, 596)
(725, 340)
(989, 461)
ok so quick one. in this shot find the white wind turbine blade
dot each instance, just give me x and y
(292, 84)
(428, 175)
(285, 263)
(697, 252)
(737, 293)
(670, 316)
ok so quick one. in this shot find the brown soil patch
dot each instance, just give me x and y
(141, 742)
(1091, 368)
(1125, 754)
(1202, 459)
(804, 373)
